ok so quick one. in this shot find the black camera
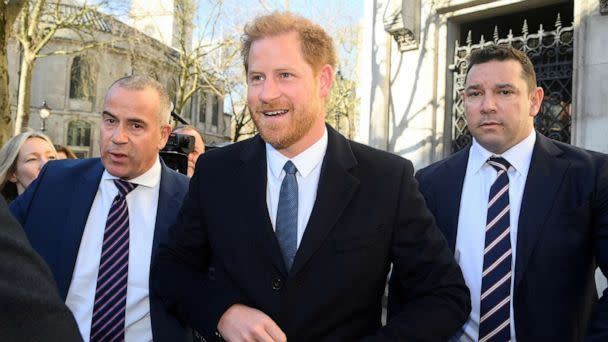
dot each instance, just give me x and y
(175, 153)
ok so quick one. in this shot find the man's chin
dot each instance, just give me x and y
(117, 170)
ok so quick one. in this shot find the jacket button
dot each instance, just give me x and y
(277, 283)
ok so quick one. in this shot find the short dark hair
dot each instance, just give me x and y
(505, 53)
(141, 82)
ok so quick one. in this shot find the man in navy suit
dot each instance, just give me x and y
(99, 238)
(551, 229)
(290, 235)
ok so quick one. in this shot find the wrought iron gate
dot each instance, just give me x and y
(551, 53)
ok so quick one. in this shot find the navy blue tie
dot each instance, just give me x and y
(108, 322)
(495, 303)
(287, 215)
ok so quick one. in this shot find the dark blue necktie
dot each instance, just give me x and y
(495, 305)
(108, 323)
(287, 215)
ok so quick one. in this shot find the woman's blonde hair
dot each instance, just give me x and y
(8, 160)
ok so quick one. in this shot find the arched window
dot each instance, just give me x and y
(215, 106)
(80, 79)
(79, 133)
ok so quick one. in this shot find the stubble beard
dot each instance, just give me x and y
(283, 137)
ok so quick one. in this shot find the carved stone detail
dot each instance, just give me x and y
(603, 7)
(401, 22)
(406, 40)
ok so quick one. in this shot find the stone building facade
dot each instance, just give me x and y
(412, 53)
(74, 86)
(409, 67)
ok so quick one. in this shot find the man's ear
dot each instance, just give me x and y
(165, 130)
(326, 79)
(536, 100)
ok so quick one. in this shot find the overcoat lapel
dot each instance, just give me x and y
(251, 183)
(81, 196)
(335, 190)
(544, 181)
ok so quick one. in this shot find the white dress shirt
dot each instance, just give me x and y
(308, 164)
(470, 239)
(142, 203)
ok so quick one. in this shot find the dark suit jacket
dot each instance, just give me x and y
(31, 308)
(54, 210)
(367, 214)
(562, 232)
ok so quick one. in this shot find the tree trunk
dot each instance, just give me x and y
(25, 89)
(181, 90)
(5, 101)
(8, 14)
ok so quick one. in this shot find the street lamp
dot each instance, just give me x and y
(45, 112)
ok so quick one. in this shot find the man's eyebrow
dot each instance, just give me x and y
(473, 86)
(136, 120)
(105, 112)
(505, 85)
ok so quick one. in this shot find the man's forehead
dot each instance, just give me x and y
(507, 71)
(278, 39)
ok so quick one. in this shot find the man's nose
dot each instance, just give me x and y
(270, 90)
(119, 135)
(488, 103)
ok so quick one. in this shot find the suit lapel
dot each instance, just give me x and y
(85, 189)
(542, 185)
(448, 182)
(168, 202)
(251, 180)
(335, 189)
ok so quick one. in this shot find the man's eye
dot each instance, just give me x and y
(285, 75)
(473, 93)
(505, 92)
(256, 78)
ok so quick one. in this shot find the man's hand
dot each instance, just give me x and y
(242, 323)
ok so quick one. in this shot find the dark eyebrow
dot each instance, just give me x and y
(504, 85)
(138, 121)
(473, 86)
(129, 120)
(105, 112)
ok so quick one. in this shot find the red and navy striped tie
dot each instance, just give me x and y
(108, 322)
(494, 316)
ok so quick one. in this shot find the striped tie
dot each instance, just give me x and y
(287, 215)
(108, 322)
(494, 322)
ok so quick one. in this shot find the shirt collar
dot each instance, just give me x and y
(305, 162)
(519, 156)
(148, 179)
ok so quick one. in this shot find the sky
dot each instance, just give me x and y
(338, 10)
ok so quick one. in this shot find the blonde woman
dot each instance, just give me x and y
(21, 159)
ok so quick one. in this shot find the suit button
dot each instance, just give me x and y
(277, 283)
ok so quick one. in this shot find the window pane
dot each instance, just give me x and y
(79, 133)
(202, 107)
(216, 111)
